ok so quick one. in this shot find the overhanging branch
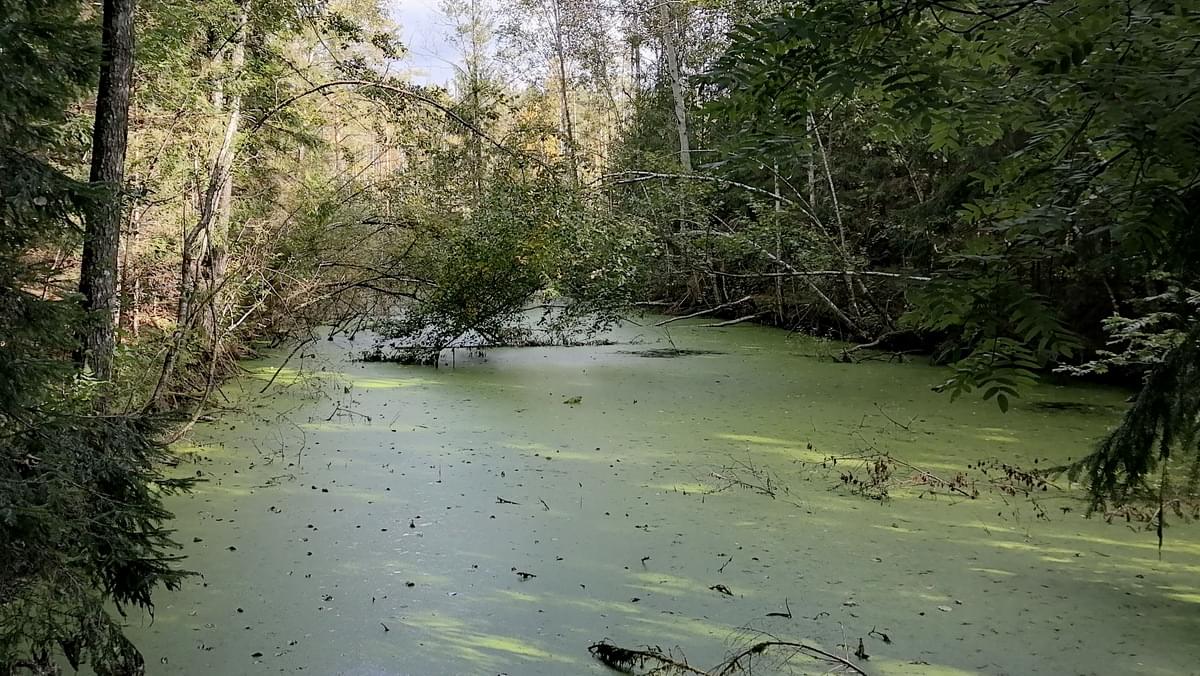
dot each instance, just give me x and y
(406, 93)
(626, 177)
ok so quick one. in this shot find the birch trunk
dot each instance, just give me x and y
(568, 125)
(217, 257)
(204, 253)
(671, 52)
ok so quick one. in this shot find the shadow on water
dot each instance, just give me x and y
(669, 353)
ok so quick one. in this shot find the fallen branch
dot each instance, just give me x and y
(626, 660)
(934, 479)
(734, 481)
(285, 363)
(710, 310)
(347, 411)
(875, 475)
(731, 322)
(824, 273)
(793, 272)
(734, 663)
(767, 483)
(653, 660)
(869, 345)
(897, 423)
(788, 612)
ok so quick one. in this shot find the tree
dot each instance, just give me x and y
(204, 251)
(561, 41)
(1071, 142)
(476, 83)
(81, 516)
(671, 52)
(555, 11)
(476, 278)
(101, 244)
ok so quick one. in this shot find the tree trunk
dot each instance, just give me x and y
(778, 248)
(681, 120)
(635, 64)
(130, 289)
(837, 211)
(204, 253)
(209, 260)
(476, 44)
(110, 135)
(216, 258)
(568, 126)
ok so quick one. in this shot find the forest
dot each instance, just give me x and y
(884, 254)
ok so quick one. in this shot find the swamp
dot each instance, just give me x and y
(551, 337)
(358, 512)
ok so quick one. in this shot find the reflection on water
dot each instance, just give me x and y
(365, 519)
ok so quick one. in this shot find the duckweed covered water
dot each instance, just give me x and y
(359, 519)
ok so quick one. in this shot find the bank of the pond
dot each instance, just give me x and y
(372, 519)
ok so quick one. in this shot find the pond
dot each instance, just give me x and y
(499, 516)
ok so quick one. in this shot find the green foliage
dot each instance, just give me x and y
(1071, 133)
(1157, 325)
(1163, 422)
(1163, 340)
(49, 53)
(530, 257)
(1008, 333)
(1076, 129)
(80, 489)
(81, 527)
(480, 271)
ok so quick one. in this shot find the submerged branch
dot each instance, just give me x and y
(735, 663)
(654, 660)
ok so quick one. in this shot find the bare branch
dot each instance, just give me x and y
(705, 311)
(406, 93)
(825, 273)
(626, 177)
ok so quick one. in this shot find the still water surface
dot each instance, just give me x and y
(356, 520)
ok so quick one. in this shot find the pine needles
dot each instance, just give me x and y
(1164, 419)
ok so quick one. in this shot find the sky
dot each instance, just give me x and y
(423, 30)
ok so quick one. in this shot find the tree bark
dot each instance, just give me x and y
(110, 136)
(217, 239)
(208, 254)
(778, 248)
(568, 126)
(204, 254)
(681, 119)
(837, 210)
(130, 284)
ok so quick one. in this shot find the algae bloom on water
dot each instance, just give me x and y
(369, 520)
